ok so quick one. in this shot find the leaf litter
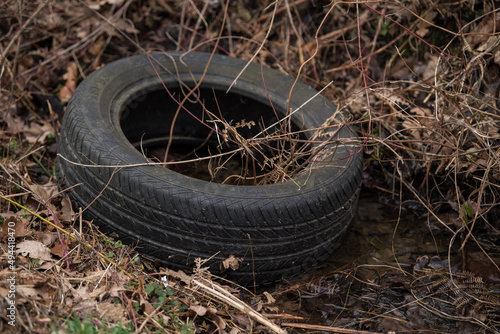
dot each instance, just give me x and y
(419, 79)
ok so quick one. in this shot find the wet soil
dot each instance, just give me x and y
(395, 271)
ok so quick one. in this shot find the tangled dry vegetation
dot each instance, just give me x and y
(419, 79)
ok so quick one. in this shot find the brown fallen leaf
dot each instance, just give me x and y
(231, 262)
(111, 311)
(27, 292)
(14, 124)
(219, 322)
(269, 297)
(242, 320)
(37, 133)
(34, 249)
(20, 227)
(58, 250)
(146, 306)
(483, 31)
(423, 26)
(47, 238)
(179, 275)
(66, 213)
(44, 192)
(71, 77)
(199, 310)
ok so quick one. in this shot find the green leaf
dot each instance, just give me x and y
(468, 210)
(149, 289)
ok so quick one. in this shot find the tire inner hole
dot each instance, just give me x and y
(208, 132)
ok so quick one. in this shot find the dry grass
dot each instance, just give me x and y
(419, 79)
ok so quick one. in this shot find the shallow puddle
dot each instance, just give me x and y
(393, 274)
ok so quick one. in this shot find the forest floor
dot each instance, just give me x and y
(420, 81)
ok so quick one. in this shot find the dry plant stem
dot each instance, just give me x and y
(19, 31)
(415, 193)
(118, 13)
(479, 198)
(149, 317)
(129, 301)
(400, 208)
(445, 315)
(72, 236)
(196, 86)
(308, 60)
(65, 251)
(152, 163)
(326, 328)
(281, 10)
(198, 22)
(226, 297)
(379, 50)
(87, 40)
(289, 13)
(104, 188)
(365, 78)
(258, 50)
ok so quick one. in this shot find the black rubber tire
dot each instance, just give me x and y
(278, 229)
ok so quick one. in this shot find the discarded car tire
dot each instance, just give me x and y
(276, 229)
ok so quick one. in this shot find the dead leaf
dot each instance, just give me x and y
(98, 47)
(219, 322)
(81, 293)
(111, 311)
(100, 292)
(58, 250)
(66, 213)
(423, 114)
(69, 87)
(40, 282)
(199, 310)
(231, 262)
(46, 266)
(116, 291)
(26, 292)
(122, 25)
(483, 31)
(52, 19)
(431, 68)
(4, 292)
(422, 26)
(484, 266)
(269, 297)
(179, 275)
(241, 320)
(97, 5)
(146, 306)
(85, 308)
(497, 58)
(413, 127)
(20, 227)
(45, 192)
(47, 238)
(34, 249)
(14, 124)
(37, 133)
